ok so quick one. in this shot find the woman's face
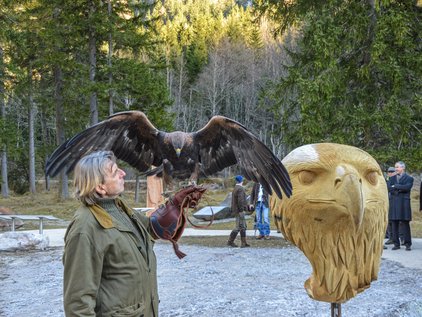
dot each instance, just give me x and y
(114, 182)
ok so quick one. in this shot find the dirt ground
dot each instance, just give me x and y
(215, 281)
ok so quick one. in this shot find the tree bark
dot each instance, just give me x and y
(4, 180)
(31, 123)
(109, 62)
(60, 135)
(92, 69)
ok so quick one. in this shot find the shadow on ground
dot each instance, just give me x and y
(221, 241)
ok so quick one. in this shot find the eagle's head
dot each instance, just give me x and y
(337, 216)
(179, 140)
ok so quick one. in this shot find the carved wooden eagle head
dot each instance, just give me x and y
(337, 216)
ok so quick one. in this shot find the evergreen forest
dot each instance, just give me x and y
(292, 71)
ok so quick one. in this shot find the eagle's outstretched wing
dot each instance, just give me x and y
(224, 142)
(130, 135)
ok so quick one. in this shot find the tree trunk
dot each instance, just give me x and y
(168, 71)
(60, 135)
(366, 58)
(46, 138)
(179, 91)
(31, 123)
(109, 62)
(92, 70)
(4, 180)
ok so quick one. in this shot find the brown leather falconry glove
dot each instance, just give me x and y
(169, 220)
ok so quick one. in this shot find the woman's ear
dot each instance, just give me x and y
(100, 190)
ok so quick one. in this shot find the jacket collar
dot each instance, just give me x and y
(401, 178)
(103, 217)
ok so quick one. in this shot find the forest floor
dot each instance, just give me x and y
(48, 203)
(217, 281)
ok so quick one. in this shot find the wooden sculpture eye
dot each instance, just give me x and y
(372, 177)
(307, 177)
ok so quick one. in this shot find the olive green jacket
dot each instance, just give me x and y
(105, 272)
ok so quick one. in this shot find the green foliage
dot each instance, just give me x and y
(8, 137)
(356, 79)
(39, 37)
(354, 71)
(19, 174)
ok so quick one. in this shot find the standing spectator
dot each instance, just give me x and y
(399, 187)
(109, 263)
(259, 199)
(239, 206)
(389, 235)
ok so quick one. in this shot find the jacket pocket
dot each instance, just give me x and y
(136, 310)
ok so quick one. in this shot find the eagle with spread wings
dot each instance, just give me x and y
(221, 143)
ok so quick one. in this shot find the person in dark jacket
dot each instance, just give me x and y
(239, 206)
(109, 263)
(399, 187)
(389, 234)
(259, 199)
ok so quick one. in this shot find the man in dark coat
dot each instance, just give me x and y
(389, 234)
(239, 206)
(399, 187)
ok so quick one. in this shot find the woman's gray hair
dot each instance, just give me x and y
(90, 172)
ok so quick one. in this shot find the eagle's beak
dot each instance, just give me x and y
(349, 191)
(178, 151)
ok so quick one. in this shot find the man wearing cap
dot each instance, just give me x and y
(239, 206)
(399, 187)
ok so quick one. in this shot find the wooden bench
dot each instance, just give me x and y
(40, 218)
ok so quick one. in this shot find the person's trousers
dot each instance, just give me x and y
(405, 229)
(389, 233)
(240, 222)
(262, 219)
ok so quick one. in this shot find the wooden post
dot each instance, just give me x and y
(41, 225)
(335, 310)
(137, 189)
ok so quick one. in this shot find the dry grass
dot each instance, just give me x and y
(49, 203)
(416, 223)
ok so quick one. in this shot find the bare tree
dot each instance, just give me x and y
(109, 62)
(217, 79)
(178, 88)
(60, 135)
(92, 67)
